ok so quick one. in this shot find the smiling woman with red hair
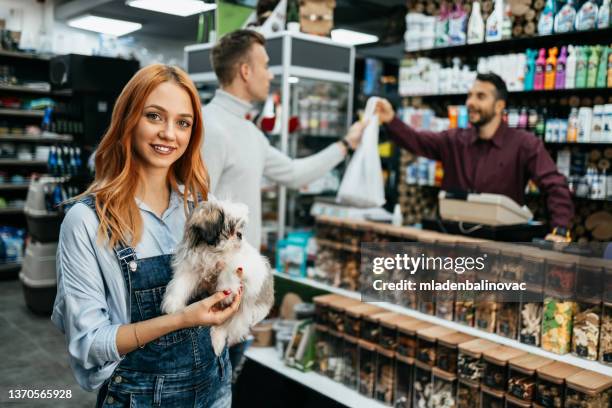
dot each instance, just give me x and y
(115, 251)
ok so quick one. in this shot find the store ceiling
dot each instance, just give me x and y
(370, 16)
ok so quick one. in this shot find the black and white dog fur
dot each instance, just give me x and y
(206, 261)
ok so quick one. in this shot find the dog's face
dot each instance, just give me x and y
(217, 225)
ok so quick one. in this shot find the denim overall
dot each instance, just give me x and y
(179, 369)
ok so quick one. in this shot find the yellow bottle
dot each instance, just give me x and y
(551, 69)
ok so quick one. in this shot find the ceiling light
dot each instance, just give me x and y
(104, 25)
(294, 80)
(352, 37)
(181, 8)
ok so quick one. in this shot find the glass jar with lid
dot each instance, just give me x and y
(550, 383)
(496, 366)
(588, 389)
(470, 364)
(427, 341)
(522, 375)
(447, 352)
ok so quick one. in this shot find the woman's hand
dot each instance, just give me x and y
(355, 133)
(208, 312)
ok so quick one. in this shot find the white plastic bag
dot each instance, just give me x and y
(363, 184)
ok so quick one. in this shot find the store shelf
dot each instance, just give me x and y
(23, 55)
(268, 357)
(36, 138)
(564, 144)
(11, 267)
(601, 36)
(23, 89)
(17, 162)
(22, 112)
(11, 211)
(10, 186)
(553, 93)
(566, 358)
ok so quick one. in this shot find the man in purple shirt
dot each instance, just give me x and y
(489, 157)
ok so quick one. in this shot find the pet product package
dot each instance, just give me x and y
(362, 184)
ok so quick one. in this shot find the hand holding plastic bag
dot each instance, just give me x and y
(362, 184)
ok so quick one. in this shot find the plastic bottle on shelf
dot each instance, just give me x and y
(397, 219)
(593, 65)
(457, 25)
(561, 63)
(547, 18)
(582, 61)
(551, 69)
(610, 68)
(507, 23)
(476, 26)
(597, 126)
(570, 67)
(494, 22)
(523, 118)
(442, 39)
(603, 17)
(564, 20)
(530, 69)
(572, 126)
(538, 82)
(602, 70)
(586, 18)
(585, 124)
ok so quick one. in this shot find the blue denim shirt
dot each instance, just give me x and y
(92, 299)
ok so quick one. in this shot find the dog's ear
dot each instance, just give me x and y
(208, 231)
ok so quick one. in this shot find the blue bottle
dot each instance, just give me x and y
(530, 68)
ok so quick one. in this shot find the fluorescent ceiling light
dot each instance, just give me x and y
(294, 80)
(181, 8)
(352, 37)
(104, 25)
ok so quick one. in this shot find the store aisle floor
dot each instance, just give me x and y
(33, 354)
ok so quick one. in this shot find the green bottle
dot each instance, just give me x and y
(593, 65)
(582, 60)
(602, 71)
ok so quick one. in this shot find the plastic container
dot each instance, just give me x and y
(530, 318)
(588, 389)
(423, 386)
(468, 394)
(491, 398)
(522, 376)
(367, 368)
(43, 225)
(557, 325)
(388, 329)
(533, 270)
(38, 276)
(585, 333)
(512, 265)
(496, 366)
(350, 375)
(444, 393)
(427, 342)
(370, 325)
(447, 351)
(322, 349)
(508, 319)
(385, 375)
(550, 383)
(404, 371)
(336, 312)
(335, 366)
(560, 274)
(470, 364)
(354, 320)
(406, 336)
(263, 334)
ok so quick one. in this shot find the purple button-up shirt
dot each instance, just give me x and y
(502, 165)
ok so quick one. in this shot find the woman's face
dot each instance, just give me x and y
(164, 129)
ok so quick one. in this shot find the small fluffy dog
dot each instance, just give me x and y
(206, 261)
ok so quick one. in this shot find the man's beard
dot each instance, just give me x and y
(485, 117)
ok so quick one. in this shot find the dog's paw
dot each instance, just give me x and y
(171, 304)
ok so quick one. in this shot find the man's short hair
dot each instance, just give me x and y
(498, 83)
(231, 50)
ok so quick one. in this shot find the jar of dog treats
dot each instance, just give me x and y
(512, 267)
(522, 376)
(550, 383)
(350, 374)
(388, 329)
(585, 335)
(367, 368)
(530, 318)
(496, 366)
(447, 351)
(486, 313)
(560, 274)
(322, 349)
(491, 398)
(422, 387)
(385, 375)
(468, 394)
(335, 366)
(508, 319)
(322, 307)
(533, 267)
(406, 336)
(370, 326)
(355, 319)
(336, 309)
(404, 367)
(470, 364)
(427, 341)
(444, 393)
(557, 325)
(588, 389)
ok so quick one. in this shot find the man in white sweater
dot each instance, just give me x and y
(236, 153)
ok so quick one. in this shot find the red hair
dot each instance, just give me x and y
(117, 167)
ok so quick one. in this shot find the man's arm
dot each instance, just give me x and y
(543, 171)
(422, 143)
